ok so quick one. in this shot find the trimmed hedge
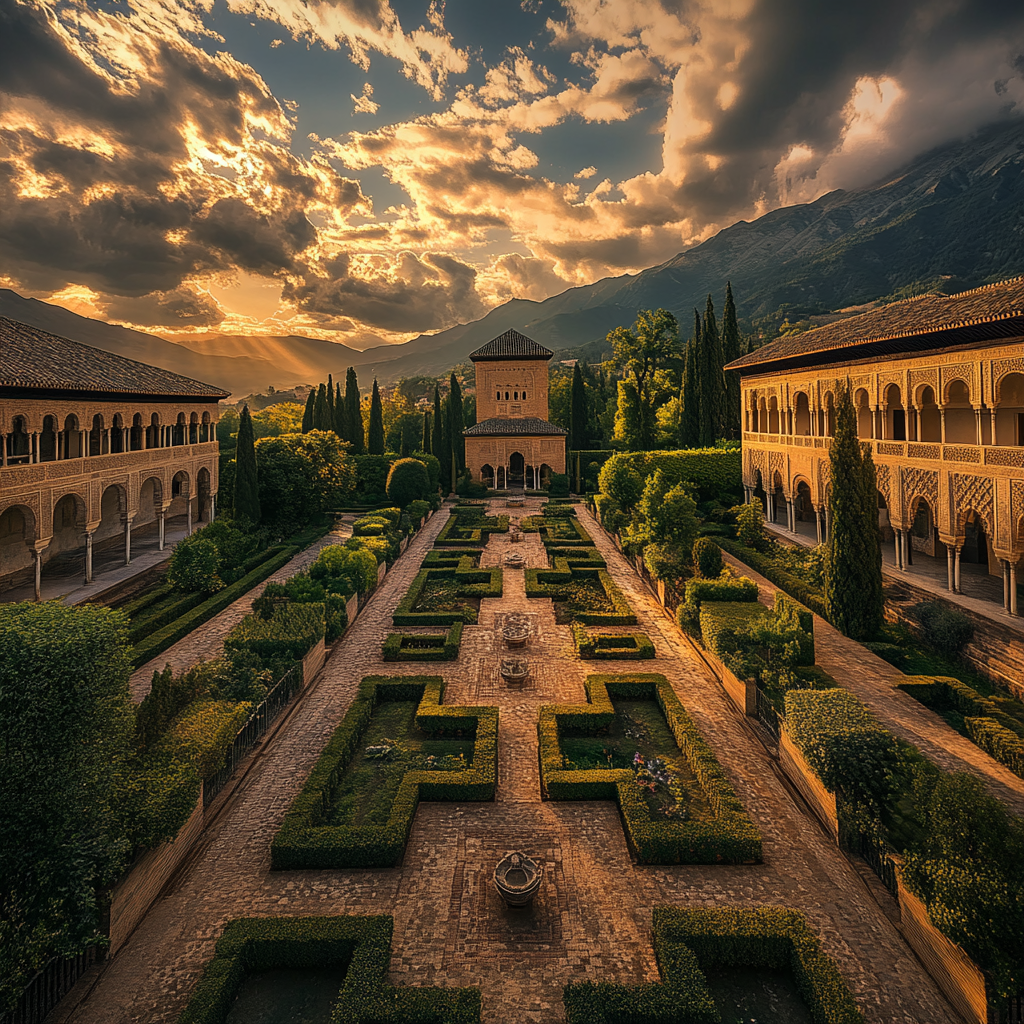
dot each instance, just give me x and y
(158, 642)
(472, 583)
(1000, 743)
(689, 942)
(444, 559)
(711, 471)
(423, 647)
(726, 588)
(782, 578)
(358, 946)
(584, 557)
(467, 526)
(552, 583)
(627, 646)
(291, 632)
(303, 842)
(784, 603)
(730, 838)
(720, 620)
(563, 531)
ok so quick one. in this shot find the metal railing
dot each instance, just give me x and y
(766, 713)
(250, 733)
(48, 988)
(875, 851)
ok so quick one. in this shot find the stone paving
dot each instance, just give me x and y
(873, 680)
(207, 640)
(592, 916)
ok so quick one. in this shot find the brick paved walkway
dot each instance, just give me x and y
(207, 641)
(873, 680)
(592, 916)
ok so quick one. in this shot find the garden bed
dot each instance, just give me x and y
(355, 950)
(716, 963)
(677, 805)
(469, 527)
(396, 745)
(424, 646)
(624, 646)
(440, 597)
(588, 596)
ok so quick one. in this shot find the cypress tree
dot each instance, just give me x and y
(690, 426)
(353, 414)
(330, 403)
(712, 381)
(320, 412)
(456, 427)
(444, 454)
(437, 432)
(307, 415)
(578, 411)
(340, 419)
(375, 435)
(247, 492)
(853, 564)
(425, 443)
(731, 351)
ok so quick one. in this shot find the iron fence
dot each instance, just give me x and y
(872, 849)
(250, 733)
(48, 988)
(767, 715)
(1010, 1012)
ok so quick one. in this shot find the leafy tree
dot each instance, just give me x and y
(281, 418)
(195, 566)
(750, 526)
(707, 558)
(307, 415)
(408, 481)
(711, 379)
(621, 482)
(731, 351)
(66, 733)
(353, 413)
(247, 491)
(578, 411)
(426, 438)
(853, 570)
(642, 351)
(375, 436)
(663, 527)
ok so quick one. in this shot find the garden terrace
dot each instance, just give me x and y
(347, 955)
(588, 596)
(725, 965)
(424, 646)
(439, 597)
(677, 807)
(619, 646)
(396, 745)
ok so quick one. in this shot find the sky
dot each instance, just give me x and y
(369, 170)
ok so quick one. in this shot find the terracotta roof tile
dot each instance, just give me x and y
(925, 314)
(511, 345)
(32, 358)
(527, 425)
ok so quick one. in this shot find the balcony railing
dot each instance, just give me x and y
(64, 469)
(983, 454)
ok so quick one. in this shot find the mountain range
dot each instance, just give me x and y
(954, 215)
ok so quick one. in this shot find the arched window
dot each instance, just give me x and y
(497, 397)
(524, 396)
(515, 396)
(506, 396)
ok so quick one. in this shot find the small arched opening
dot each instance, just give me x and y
(779, 500)
(193, 429)
(975, 546)
(153, 438)
(204, 429)
(48, 440)
(759, 492)
(803, 506)
(928, 416)
(97, 436)
(17, 535)
(895, 414)
(961, 423)
(1010, 410)
(922, 529)
(516, 469)
(117, 433)
(545, 476)
(72, 437)
(773, 415)
(137, 434)
(19, 444)
(487, 475)
(864, 414)
(829, 415)
(180, 430)
(204, 495)
(802, 415)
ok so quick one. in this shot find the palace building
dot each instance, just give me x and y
(512, 444)
(938, 385)
(95, 449)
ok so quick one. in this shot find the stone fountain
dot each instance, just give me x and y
(514, 560)
(517, 879)
(516, 630)
(514, 671)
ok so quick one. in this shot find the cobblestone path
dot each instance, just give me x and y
(591, 918)
(207, 641)
(873, 680)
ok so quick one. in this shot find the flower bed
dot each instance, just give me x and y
(436, 596)
(724, 833)
(423, 647)
(688, 943)
(360, 949)
(559, 583)
(626, 646)
(319, 833)
(469, 527)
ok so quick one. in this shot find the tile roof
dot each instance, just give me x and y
(527, 425)
(511, 345)
(32, 358)
(923, 315)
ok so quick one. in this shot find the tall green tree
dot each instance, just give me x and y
(437, 426)
(247, 490)
(353, 414)
(330, 402)
(578, 411)
(853, 563)
(456, 426)
(425, 442)
(321, 410)
(712, 380)
(731, 351)
(689, 427)
(340, 413)
(307, 415)
(375, 435)
(643, 351)
(444, 456)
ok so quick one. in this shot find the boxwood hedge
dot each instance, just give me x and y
(622, 647)
(553, 583)
(424, 646)
(470, 528)
(719, 621)
(688, 942)
(731, 837)
(782, 578)
(470, 583)
(304, 842)
(360, 949)
(726, 587)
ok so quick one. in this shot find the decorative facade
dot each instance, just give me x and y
(938, 385)
(92, 447)
(513, 445)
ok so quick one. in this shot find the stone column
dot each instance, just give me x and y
(161, 525)
(746, 494)
(956, 570)
(950, 579)
(33, 448)
(942, 423)
(1013, 588)
(992, 417)
(1006, 584)
(127, 540)
(977, 425)
(88, 556)
(37, 555)
(3, 450)
(817, 523)
(188, 521)
(899, 551)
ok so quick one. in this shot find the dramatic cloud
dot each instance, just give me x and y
(145, 171)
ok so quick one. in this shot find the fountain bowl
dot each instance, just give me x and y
(517, 879)
(514, 671)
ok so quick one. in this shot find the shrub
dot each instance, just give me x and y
(195, 565)
(710, 472)
(433, 465)
(707, 558)
(357, 947)
(467, 487)
(303, 841)
(1000, 743)
(721, 621)
(750, 526)
(203, 733)
(346, 570)
(559, 485)
(731, 837)
(417, 510)
(779, 575)
(726, 587)
(948, 629)
(288, 635)
(422, 646)
(408, 481)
